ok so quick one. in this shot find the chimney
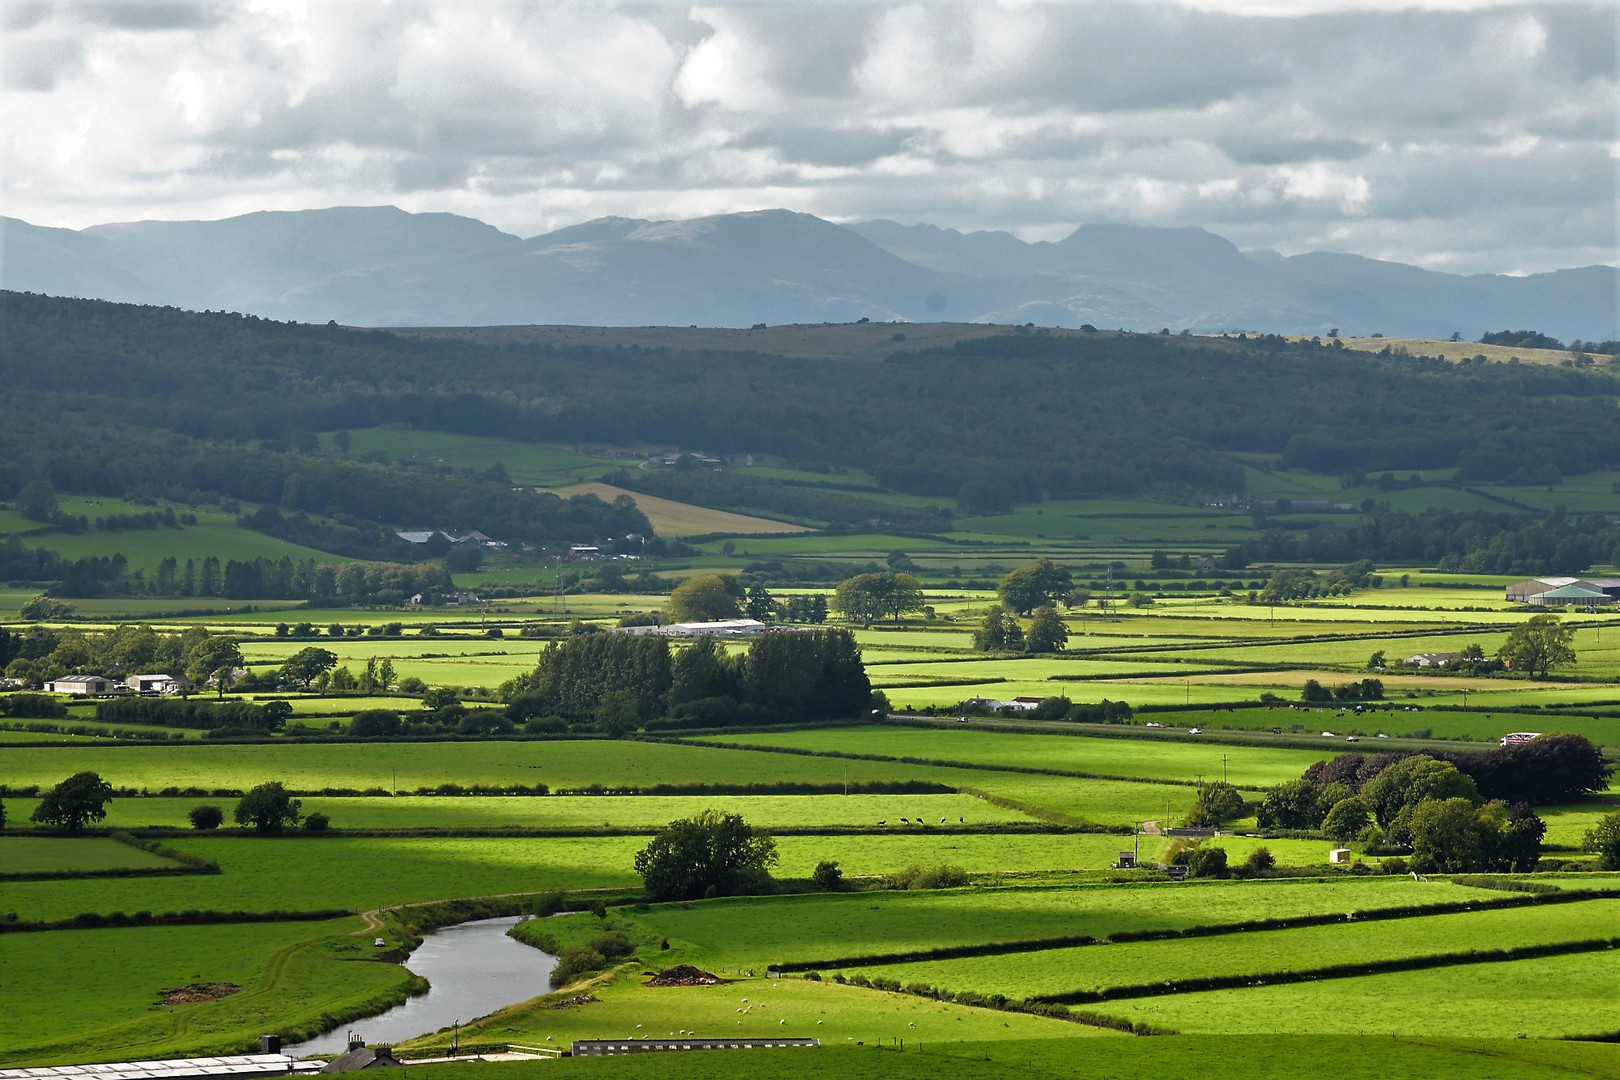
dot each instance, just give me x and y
(269, 1044)
(356, 1042)
(385, 1053)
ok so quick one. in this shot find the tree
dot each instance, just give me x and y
(617, 714)
(342, 440)
(37, 500)
(701, 670)
(711, 854)
(214, 658)
(1046, 633)
(305, 665)
(206, 818)
(1413, 780)
(1347, 820)
(374, 723)
(806, 675)
(74, 803)
(1604, 838)
(1217, 802)
(1455, 835)
(2, 817)
(1538, 645)
(868, 597)
(760, 604)
(268, 808)
(1037, 583)
(999, 632)
(1291, 805)
(705, 598)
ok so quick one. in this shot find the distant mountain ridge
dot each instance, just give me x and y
(381, 266)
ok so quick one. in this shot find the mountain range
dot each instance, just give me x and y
(381, 266)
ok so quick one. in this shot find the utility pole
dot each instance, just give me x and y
(1223, 769)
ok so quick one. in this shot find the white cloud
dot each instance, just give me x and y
(1471, 135)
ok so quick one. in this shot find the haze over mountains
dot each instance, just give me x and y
(381, 266)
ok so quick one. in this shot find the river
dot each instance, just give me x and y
(474, 969)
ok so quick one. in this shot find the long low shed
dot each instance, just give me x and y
(603, 1047)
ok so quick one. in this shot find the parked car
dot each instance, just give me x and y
(1152, 723)
(1352, 738)
(1195, 731)
(1329, 735)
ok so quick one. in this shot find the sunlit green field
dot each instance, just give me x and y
(1247, 766)
(1551, 997)
(450, 812)
(1099, 967)
(76, 994)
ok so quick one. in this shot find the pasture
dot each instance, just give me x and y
(73, 994)
(1554, 997)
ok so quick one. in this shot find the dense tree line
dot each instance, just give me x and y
(1472, 541)
(90, 406)
(622, 681)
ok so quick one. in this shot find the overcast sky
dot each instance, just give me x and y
(1456, 134)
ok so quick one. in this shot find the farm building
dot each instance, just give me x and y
(1433, 659)
(472, 538)
(726, 628)
(83, 685)
(152, 684)
(360, 1056)
(1564, 591)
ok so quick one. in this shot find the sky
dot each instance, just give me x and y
(1459, 135)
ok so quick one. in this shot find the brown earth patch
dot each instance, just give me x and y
(685, 975)
(195, 992)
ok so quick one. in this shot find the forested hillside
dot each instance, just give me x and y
(117, 399)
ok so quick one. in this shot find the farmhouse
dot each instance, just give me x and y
(1433, 659)
(83, 685)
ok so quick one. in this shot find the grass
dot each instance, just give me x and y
(559, 764)
(216, 533)
(747, 933)
(671, 518)
(573, 812)
(1245, 766)
(96, 994)
(1551, 997)
(50, 854)
(1096, 967)
(758, 1008)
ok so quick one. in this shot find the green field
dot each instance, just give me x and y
(49, 854)
(76, 994)
(1244, 766)
(1551, 997)
(1098, 967)
(747, 933)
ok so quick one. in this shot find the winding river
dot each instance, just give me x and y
(474, 969)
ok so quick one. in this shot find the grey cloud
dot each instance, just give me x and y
(39, 64)
(22, 14)
(147, 14)
(1258, 150)
(829, 146)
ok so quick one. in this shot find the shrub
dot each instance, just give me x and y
(575, 961)
(204, 818)
(827, 877)
(613, 945)
(1259, 861)
(374, 723)
(1604, 838)
(316, 822)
